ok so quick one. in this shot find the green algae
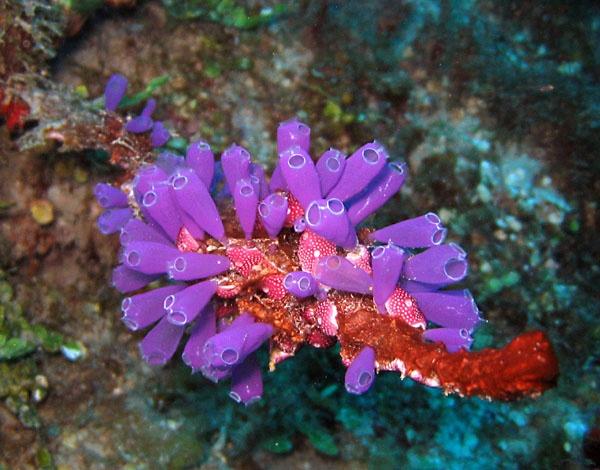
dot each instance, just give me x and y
(22, 385)
(225, 12)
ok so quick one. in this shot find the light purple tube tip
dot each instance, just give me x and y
(161, 342)
(361, 167)
(245, 199)
(328, 218)
(160, 205)
(204, 327)
(236, 165)
(379, 191)
(201, 159)
(300, 175)
(192, 266)
(246, 382)
(419, 232)
(360, 375)
(291, 133)
(341, 274)
(300, 284)
(140, 311)
(159, 135)
(184, 306)
(127, 280)
(442, 264)
(114, 91)
(112, 220)
(108, 196)
(233, 345)
(149, 257)
(449, 309)
(386, 262)
(273, 211)
(330, 168)
(139, 124)
(193, 197)
(454, 339)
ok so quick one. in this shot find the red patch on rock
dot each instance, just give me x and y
(318, 339)
(326, 317)
(401, 304)
(272, 285)
(295, 211)
(186, 242)
(244, 260)
(311, 248)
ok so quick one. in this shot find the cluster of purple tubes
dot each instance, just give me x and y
(337, 193)
(114, 93)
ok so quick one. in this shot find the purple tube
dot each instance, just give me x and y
(108, 196)
(449, 309)
(201, 159)
(233, 345)
(246, 382)
(217, 374)
(300, 175)
(361, 168)
(360, 374)
(300, 284)
(258, 172)
(386, 262)
(127, 280)
(114, 91)
(139, 125)
(341, 274)
(145, 179)
(272, 212)
(161, 342)
(442, 264)
(242, 320)
(454, 339)
(387, 183)
(192, 266)
(277, 180)
(204, 327)
(112, 220)
(193, 197)
(328, 218)
(161, 207)
(184, 306)
(149, 257)
(159, 135)
(236, 165)
(419, 232)
(137, 231)
(149, 108)
(245, 199)
(330, 168)
(142, 310)
(291, 133)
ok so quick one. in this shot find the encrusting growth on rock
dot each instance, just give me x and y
(243, 261)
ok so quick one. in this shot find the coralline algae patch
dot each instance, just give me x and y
(241, 260)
